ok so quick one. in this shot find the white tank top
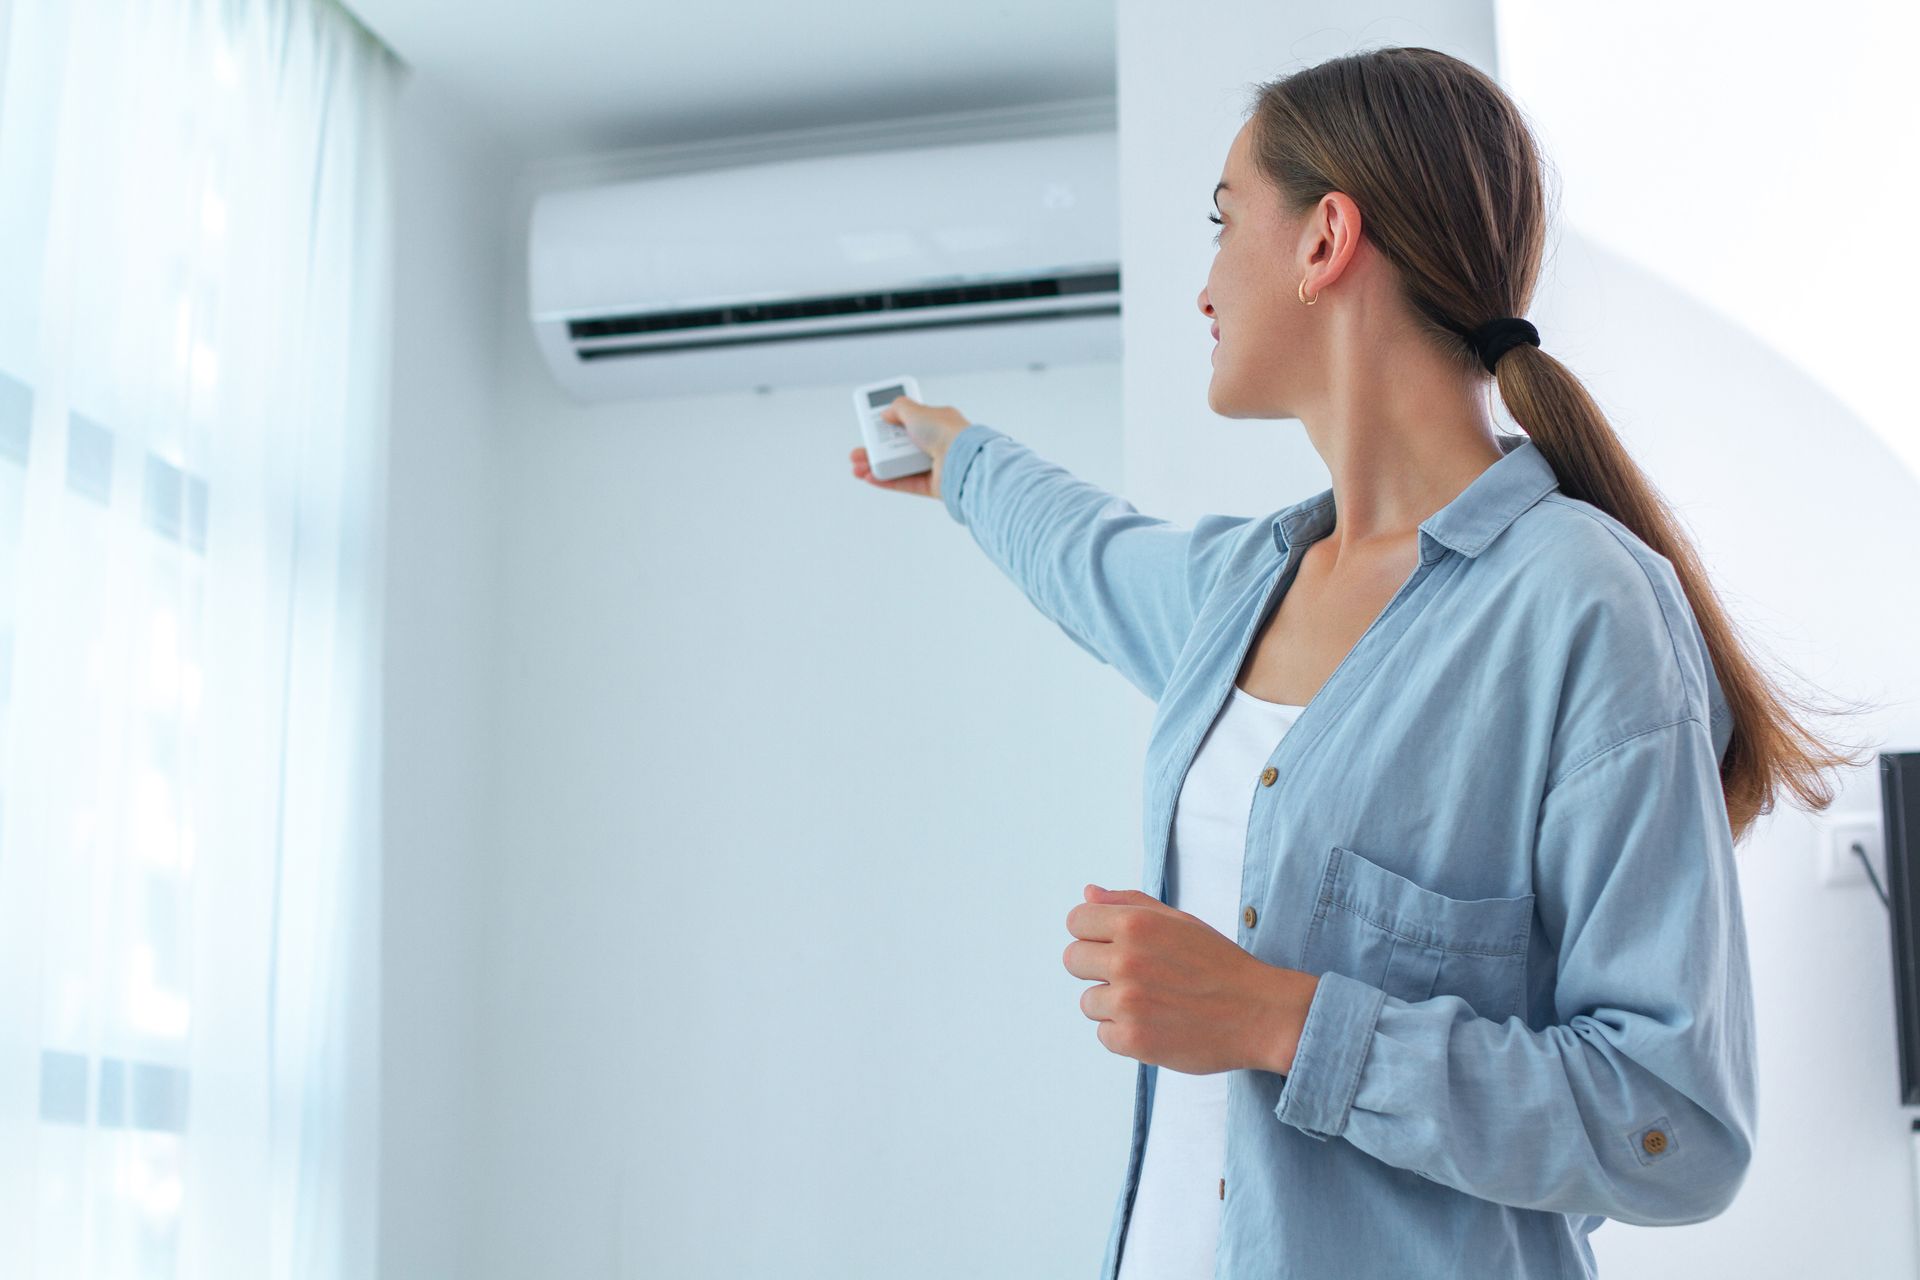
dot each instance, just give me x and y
(1175, 1222)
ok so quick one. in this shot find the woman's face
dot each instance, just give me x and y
(1251, 296)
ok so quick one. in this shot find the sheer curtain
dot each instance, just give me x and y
(193, 347)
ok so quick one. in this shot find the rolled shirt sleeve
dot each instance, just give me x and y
(1125, 587)
(1639, 1103)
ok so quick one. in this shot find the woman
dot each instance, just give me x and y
(1445, 960)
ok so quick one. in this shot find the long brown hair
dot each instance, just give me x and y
(1447, 175)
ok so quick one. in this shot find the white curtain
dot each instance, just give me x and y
(194, 340)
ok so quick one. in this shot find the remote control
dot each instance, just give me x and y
(891, 452)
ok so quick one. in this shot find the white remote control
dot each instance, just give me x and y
(891, 452)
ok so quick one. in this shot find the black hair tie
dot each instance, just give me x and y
(1496, 337)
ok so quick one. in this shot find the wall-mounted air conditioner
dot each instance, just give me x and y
(836, 269)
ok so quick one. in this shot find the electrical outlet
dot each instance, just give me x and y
(1839, 865)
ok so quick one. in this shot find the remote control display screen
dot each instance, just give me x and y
(884, 397)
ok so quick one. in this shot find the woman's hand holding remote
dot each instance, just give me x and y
(932, 428)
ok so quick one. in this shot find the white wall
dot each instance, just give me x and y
(792, 795)
(1776, 119)
(441, 613)
(1792, 499)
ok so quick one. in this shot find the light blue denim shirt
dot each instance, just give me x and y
(1497, 834)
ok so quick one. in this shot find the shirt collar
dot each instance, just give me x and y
(1474, 518)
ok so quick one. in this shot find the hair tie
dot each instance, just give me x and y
(1497, 337)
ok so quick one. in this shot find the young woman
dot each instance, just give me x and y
(1444, 958)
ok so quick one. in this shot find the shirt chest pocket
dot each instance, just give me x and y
(1378, 927)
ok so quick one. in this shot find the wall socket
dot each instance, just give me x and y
(1839, 865)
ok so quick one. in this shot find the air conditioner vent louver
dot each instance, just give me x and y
(845, 304)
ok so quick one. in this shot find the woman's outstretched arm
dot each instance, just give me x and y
(1125, 587)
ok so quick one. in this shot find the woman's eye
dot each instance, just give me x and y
(1218, 223)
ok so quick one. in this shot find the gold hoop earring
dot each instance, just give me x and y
(1302, 292)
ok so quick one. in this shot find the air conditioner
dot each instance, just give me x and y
(833, 269)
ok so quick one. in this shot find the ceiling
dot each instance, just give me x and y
(561, 78)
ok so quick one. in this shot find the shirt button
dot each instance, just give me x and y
(1223, 1188)
(1654, 1142)
(1249, 917)
(1267, 777)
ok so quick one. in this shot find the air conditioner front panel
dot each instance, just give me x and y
(831, 225)
(929, 259)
